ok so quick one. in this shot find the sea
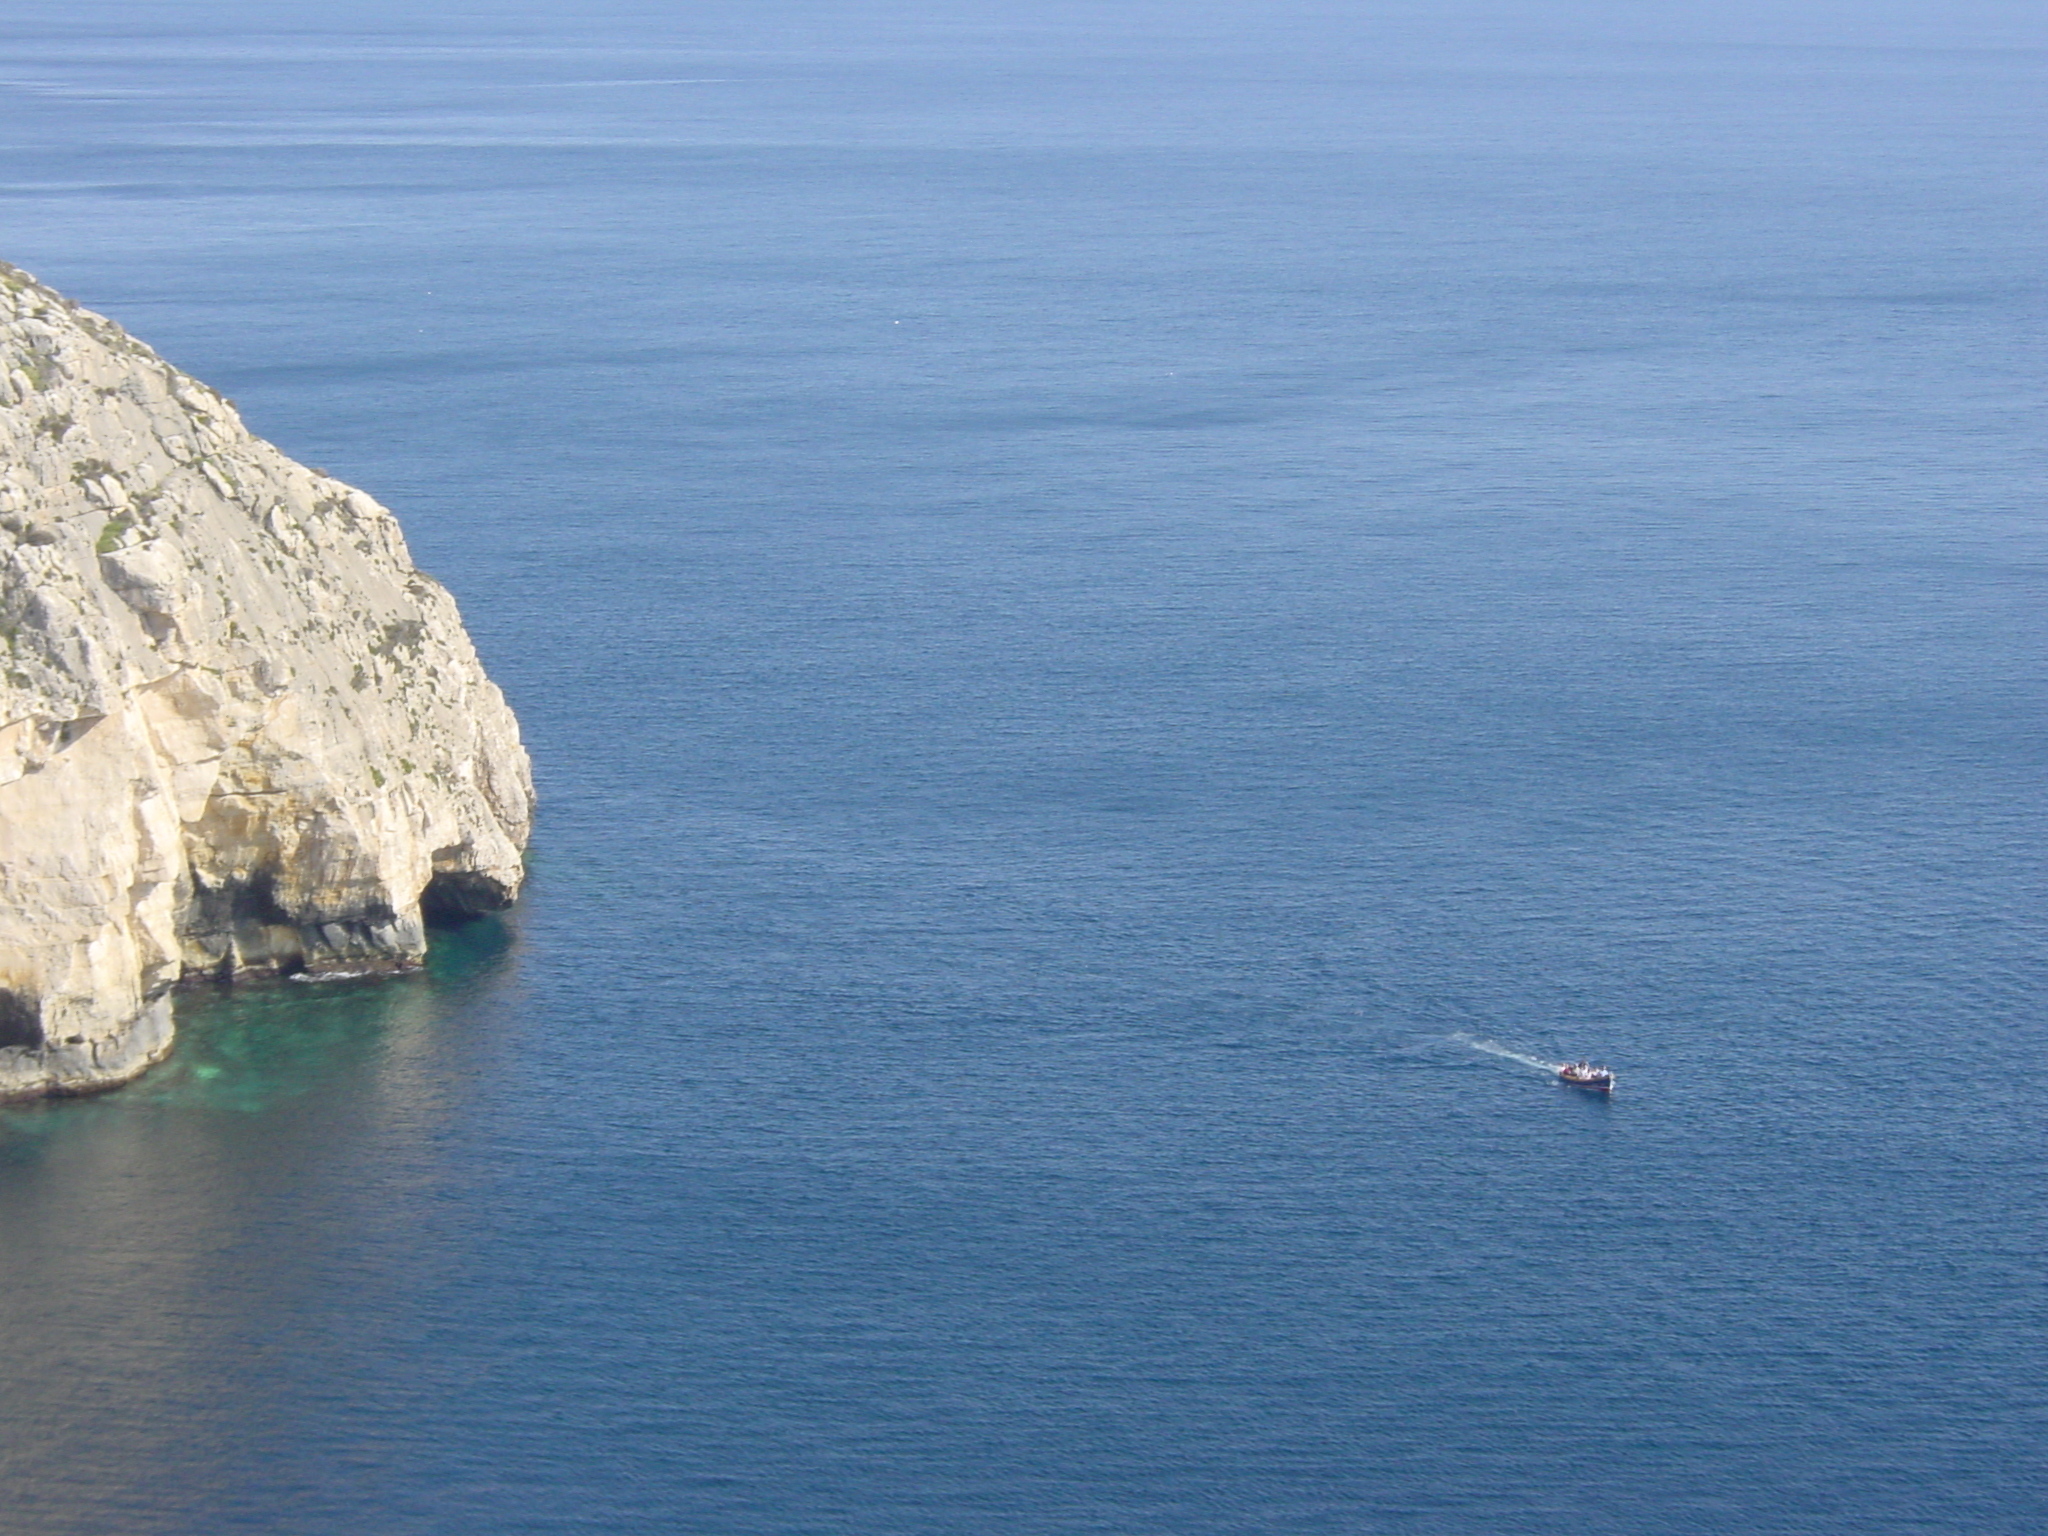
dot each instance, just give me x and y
(1132, 617)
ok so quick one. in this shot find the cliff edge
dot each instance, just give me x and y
(239, 732)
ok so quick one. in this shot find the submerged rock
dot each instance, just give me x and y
(239, 732)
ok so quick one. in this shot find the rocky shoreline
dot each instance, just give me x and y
(241, 734)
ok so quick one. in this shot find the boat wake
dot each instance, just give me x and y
(1495, 1048)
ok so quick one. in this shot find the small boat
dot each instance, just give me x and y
(1583, 1074)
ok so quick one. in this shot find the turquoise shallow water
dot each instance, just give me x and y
(1092, 590)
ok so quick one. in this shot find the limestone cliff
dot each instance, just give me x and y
(239, 732)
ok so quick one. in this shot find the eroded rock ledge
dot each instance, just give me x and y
(239, 732)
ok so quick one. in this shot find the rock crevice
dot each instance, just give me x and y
(240, 733)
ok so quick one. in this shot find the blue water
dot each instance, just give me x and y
(1097, 591)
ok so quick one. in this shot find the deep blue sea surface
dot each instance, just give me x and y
(1099, 590)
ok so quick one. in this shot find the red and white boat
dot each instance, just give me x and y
(1583, 1074)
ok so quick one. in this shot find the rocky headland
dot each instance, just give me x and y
(240, 733)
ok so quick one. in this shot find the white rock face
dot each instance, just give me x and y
(239, 732)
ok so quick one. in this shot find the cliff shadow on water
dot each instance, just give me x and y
(254, 1047)
(195, 1223)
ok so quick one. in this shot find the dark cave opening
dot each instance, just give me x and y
(21, 1020)
(454, 897)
